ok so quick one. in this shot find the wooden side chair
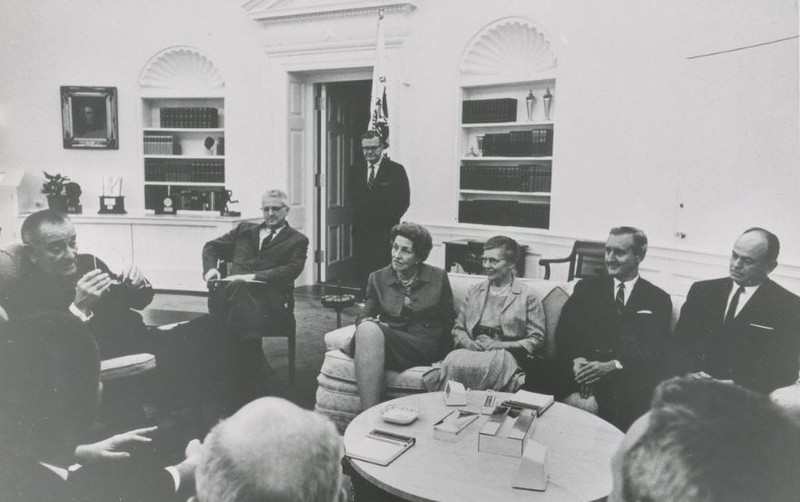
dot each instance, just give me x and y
(587, 259)
(290, 329)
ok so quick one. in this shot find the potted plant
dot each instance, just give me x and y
(53, 188)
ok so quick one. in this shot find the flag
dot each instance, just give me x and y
(379, 107)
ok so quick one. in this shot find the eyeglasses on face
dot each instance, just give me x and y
(274, 209)
(370, 148)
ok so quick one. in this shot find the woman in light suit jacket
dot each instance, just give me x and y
(501, 322)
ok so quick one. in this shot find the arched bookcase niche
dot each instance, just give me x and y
(182, 70)
(183, 132)
(507, 74)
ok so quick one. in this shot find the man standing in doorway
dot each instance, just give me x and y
(380, 195)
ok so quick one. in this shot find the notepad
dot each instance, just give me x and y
(380, 447)
(453, 423)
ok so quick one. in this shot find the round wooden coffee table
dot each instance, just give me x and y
(579, 450)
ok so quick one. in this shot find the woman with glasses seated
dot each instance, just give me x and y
(409, 314)
(500, 325)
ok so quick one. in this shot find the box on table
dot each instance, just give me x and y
(507, 432)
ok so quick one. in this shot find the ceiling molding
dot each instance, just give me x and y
(285, 11)
(513, 47)
(182, 69)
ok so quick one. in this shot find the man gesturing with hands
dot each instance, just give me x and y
(53, 276)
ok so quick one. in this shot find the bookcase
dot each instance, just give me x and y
(183, 141)
(506, 157)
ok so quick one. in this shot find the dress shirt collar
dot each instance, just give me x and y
(60, 471)
(377, 168)
(744, 297)
(629, 285)
(263, 232)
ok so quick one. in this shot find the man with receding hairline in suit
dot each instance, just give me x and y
(744, 327)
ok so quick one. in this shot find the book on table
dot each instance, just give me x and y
(380, 447)
(530, 400)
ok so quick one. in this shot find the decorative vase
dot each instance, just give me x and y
(548, 102)
(530, 101)
(57, 203)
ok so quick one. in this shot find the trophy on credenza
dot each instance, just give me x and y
(225, 197)
(112, 201)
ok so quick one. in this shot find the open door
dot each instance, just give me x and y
(343, 115)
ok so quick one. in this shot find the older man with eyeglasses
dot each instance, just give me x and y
(253, 300)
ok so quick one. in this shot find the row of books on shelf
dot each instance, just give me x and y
(519, 178)
(482, 111)
(195, 171)
(190, 117)
(504, 212)
(161, 144)
(536, 142)
(187, 200)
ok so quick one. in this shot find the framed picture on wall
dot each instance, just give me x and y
(89, 117)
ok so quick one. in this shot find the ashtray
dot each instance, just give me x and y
(400, 415)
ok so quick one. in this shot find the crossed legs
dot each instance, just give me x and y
(369, 358)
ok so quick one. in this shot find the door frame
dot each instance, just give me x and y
(311, 64)
(316, 153)
(321, 134)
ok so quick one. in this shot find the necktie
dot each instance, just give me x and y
(734, 305)
(619, 299)
(267, 240)
(371, 180)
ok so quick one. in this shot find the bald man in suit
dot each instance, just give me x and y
(744, 328)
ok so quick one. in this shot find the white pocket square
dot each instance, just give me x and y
(644, 312)
(762, 326)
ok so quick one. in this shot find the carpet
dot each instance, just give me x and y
(313, 321)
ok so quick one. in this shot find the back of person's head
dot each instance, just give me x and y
(707, 441)
(271, 450)
(49, 374)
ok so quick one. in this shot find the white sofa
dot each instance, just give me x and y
(337, 394)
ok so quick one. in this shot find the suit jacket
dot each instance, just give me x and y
(384, 205)
(590, 326)
(280, 263)
(117, 328)
(522, 317)
(422, 331)
(25, 480)
(759, 349)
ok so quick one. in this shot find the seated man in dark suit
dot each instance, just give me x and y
(610, 333)
(54, 277)
(49, 395)
(265, 260)
(743, 328)
(707, 441)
